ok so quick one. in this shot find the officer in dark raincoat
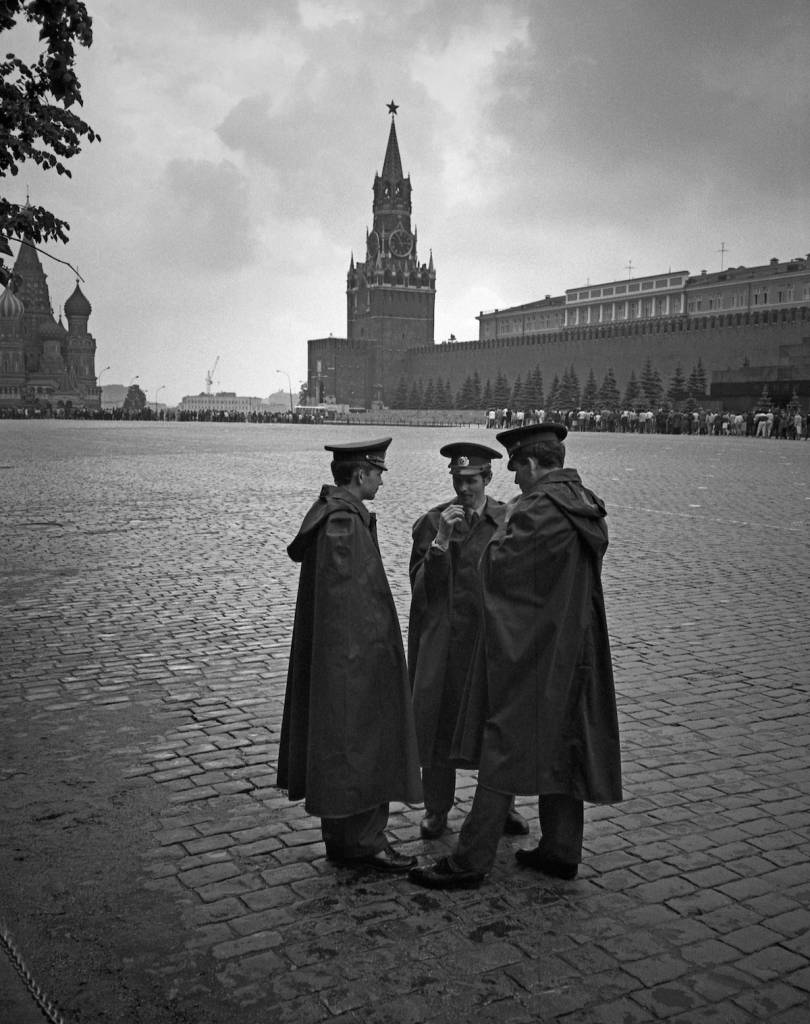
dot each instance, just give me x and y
(348, 745)
(539, 710)
(447, 544)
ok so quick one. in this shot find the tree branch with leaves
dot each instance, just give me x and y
(37, 123)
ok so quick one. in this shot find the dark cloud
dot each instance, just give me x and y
(201, 216)
(636, 103)
(321, 155)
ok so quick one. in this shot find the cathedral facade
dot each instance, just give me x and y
(46, 366)
(390, 299)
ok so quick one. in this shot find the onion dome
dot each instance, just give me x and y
(10, 306)
(77, 304)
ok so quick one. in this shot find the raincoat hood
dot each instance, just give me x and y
(331, 499)
(583, 509)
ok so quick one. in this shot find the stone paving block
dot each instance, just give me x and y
(751, 938)
(223, 910)
(771, 962)
(241, 947)
(723, 1012)
(238, 885)
(768, 1000)
(284, 874)
(722, 982)
(618, 1011)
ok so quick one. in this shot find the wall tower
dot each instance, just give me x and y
(390, 296)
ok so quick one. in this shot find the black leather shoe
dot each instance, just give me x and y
(515, 824)
(433, 824)
(442, 875)
(548, 865)
(387, 860)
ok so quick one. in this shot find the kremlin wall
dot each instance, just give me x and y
(745, 328)
(743, 345)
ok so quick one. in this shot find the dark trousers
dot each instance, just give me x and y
(359, 835)
(561, 827)
(438, 787)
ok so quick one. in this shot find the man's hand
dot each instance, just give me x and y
(448, 521)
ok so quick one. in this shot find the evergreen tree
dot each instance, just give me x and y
(553, 396)
(632, 392)
(676, 392)
(517, 394)
(429, 397)
(590, 392)
(444, 397)
(569, 389)
(609, 397)
(464, 398)
(575, 388)
(476, 391)
(486, 396)
(696, 385)
(401, 395)
(500, 394)
(651, 385)
(533, 389)
(415, 395)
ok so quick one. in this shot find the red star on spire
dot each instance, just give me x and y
(393, 107)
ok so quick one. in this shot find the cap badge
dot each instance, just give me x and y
(462, 461)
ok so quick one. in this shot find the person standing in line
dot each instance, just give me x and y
(539, 709)
(447, 544)
(348, 744)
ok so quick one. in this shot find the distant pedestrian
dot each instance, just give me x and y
(539, 713)
(447, 544)
(348, 745)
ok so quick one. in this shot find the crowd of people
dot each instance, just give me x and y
(785, 422)
(533, 708)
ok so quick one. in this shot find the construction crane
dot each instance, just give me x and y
(209, 377)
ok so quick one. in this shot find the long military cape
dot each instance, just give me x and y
(443, 623)
(539, 711)
(347, 736)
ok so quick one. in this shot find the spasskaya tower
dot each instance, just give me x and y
(390, 298)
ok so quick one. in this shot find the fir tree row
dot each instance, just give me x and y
(647, 390)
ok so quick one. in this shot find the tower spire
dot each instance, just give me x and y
(392, 165)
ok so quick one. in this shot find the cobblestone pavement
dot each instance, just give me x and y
(149, 870)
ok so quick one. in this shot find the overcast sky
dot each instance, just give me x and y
(549, 143)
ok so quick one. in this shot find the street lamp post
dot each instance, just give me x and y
(157, 392)
(289, 385)
(100, 372)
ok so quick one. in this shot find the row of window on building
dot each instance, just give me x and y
(580, 308)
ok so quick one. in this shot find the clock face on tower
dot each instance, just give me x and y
(400, 243)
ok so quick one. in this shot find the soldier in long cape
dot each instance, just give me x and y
(348, 745)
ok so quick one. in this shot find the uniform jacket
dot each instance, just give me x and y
(539, 710)
(347, 737)
(443, 623)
